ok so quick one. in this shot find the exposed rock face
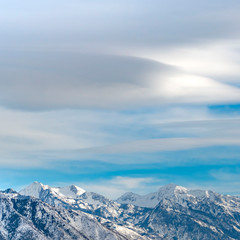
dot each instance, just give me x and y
(30, 218)
(173, 212)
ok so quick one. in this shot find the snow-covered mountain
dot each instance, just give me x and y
(188, 214)
(89, 202)
(72, 195)
(173, 212)
(36, 188)
(203, 219)
(29, 218)
(171, 191)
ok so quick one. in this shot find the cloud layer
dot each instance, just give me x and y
(118, 82)
(118, 55)
(38, 81)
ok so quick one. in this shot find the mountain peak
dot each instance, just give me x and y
(128, 196)
(171, 212)
(9, 190)
(71, 191)
(169, 191)
(171, 186)
(38, 184)
(172, 189)
(34, 189)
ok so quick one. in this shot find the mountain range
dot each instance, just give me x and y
(173, 212)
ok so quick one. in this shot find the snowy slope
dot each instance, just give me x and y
(170, 191)
(188, 214)
(173, 212)
(36, 188)
(92, 203)
(73, 195)
(195, 218)
(29, 218)
(89, 202)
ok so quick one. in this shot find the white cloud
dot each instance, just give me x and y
(223, 181)
(164, 144)
(212, 58)
(130, 183)
(38, 138)
(224, 128)
(65, 80)
(180, 88)
(119, 185)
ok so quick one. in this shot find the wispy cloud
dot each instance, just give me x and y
(91, 80)
(215, 58)
(165, 144)
(37, 138)
(118, 185)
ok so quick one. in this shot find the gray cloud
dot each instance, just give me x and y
(145, 23)
(221, 128)
(165, 144)
(53, 80)
(54, 54)
(60, 54)
(48, 80)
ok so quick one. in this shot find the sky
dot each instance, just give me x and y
(119, 96)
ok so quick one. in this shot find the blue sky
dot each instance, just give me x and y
(120, 95)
